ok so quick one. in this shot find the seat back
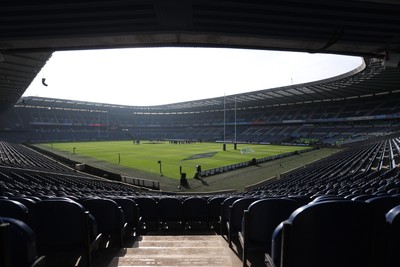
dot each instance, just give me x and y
(392, 238)
(384, 203)
(333, 233)
(60, 225)
(214, 208)
(14, 209)
(236, 211)
(170, 213)
(263, 216)
(169, 209)
(148, 213)
(108, 215)
(21, 242)
(276, 244)
(27, 202)
(195, 209)
(147, 208)
(225, 207)
(327, 198)
(131, 211)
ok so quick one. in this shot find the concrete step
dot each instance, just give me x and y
(179, 238)
(170, 262)
(188, 244)
(187, 252)
(168, 251)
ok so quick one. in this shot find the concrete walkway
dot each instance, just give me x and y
(182, 250)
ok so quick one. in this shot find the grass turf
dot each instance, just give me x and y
(146, 156)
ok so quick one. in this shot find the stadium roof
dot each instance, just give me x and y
(31, 30)
(369, 79)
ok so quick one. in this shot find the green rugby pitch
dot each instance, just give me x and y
(146, 156)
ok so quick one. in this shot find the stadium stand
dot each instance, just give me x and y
(349, 192)
(334, 120)
(368, 169)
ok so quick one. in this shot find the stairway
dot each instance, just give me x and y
(182, 250)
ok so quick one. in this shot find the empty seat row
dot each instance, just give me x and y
(68, 232)
(337, 233)
(266, 228)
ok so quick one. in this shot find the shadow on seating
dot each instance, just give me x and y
(18, 244)
(195, 213)
(332, 233)
(259, 221)
(65, 233)
(392, 238)
(109, 218)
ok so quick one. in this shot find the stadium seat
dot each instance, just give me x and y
(18, 244)
(195, 213)
(170, 213)
(327, 198)
(224, 214)
(214, 212)
(109, 218)
(235, 217)
(392, 248)
(148, 213)
(274, 259)
(64, 232)
(14, 209)
(260, 220)
(131, 213)
(362, 197)
(333, 233)
(300, 199)
(28, 202)
(384, 203)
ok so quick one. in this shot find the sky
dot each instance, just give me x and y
(157, 76)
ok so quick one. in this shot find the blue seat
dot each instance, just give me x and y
(64, 231)
(362, 197)
(235, 217)
(224, 214)
(195, 213)
(170, 213)
(18, 244)
(28, 202)
(214, 212)
(333, 233)
(109, 218)
(393, 238)
(300, 199)
(14, 209)
(131, 213)
(276, 244)
(148, 214)
(260, 220)
(384, 203)
(327, 198)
